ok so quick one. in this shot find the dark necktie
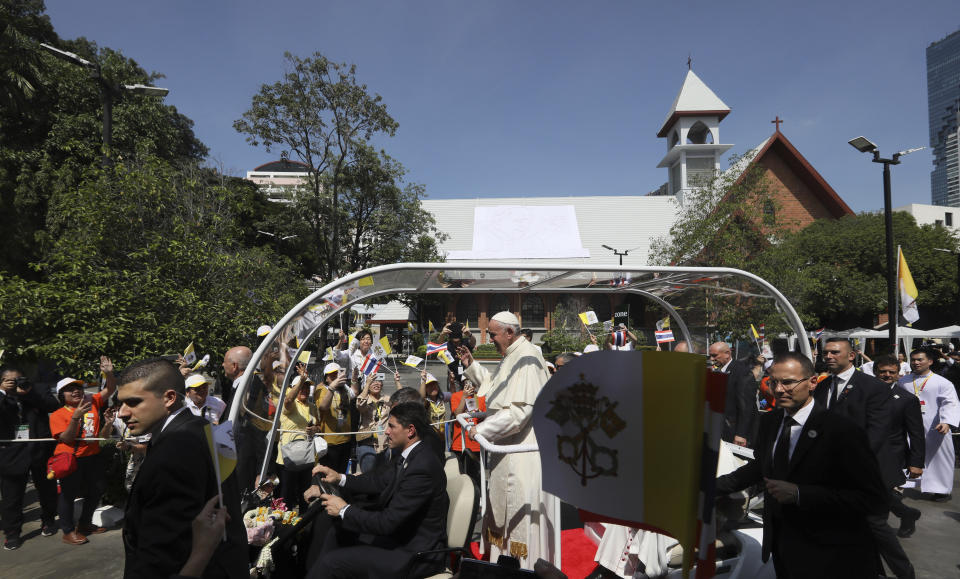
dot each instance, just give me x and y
(832, 394)
(781, 453)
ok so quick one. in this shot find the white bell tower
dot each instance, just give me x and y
(692, 130)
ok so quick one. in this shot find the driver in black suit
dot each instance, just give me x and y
(821, 482)
(410, 514)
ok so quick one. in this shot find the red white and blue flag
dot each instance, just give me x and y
(664, 336)
(370, 364)
(434, 348)
(818, 333)
(620, 338)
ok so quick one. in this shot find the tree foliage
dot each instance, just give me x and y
(143, 260)
(355, 211)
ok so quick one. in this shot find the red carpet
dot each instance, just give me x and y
(577, 552)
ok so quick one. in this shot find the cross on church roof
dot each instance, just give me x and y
(689, 62)
(777, 121)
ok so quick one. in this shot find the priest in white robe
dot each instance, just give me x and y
(941, 410)
(518, 520)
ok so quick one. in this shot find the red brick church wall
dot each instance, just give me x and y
(799, 205)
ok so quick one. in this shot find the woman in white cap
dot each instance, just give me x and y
(79, 418)
(435, 401)
(300, 415)
(333, 403)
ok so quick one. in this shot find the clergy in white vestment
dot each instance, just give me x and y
(941, 410)
(518, 514)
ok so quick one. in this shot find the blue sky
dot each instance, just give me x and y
(529, 98)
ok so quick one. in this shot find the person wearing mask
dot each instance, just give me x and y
(23, 415)
(79, 418)
(332, 399)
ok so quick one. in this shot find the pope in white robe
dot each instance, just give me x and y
(518, 519)
(940, 409)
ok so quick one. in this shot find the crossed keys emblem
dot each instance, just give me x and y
(580, 406)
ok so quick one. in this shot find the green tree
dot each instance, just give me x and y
(143, 260)
(834, 271)
(355, 210)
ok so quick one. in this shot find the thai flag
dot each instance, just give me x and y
(763, 333)
(620, 281)
(434, 348)
(620, 338)
(370, 364)
(664, 336)
(818, 333)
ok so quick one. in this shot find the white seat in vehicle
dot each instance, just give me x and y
(462, 512)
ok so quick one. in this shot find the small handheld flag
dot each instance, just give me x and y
(589, 318)
(908, 291)
(430, 326)
(608, 325)
(385, 344)
(434, 348)
(756, 334)
(619, 338)
(304, 356)
(412, 361)
(202, 363)
(189, 355)
(370, 364)
(664, 336)
(410, 327)
(445, 356)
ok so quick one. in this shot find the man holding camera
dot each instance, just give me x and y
(23, 415)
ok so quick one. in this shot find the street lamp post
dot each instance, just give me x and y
(864, 145)
(107, 93)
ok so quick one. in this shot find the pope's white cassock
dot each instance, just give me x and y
(518, 521)
(939, 404)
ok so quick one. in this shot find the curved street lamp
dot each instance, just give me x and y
(107, 92)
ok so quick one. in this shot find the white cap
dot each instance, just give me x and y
(331, 368)
(591, 348)
(263, 330)
(506, 318)
(276, 364)
(550, 365)
(431, 378)
(66, 382)
(195, 381)
(296, 380)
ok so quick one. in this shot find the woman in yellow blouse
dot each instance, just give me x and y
(300, 415)
(333, 404)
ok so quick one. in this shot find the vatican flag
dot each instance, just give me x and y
(631, 451)
(189, 355)
(385, 344)
(908, 291)
(223, 449)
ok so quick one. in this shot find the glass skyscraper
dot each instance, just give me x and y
(943, 103)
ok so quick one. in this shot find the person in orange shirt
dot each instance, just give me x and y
(466, 449)
(79, 418)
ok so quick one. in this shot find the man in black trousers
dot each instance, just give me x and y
(23, 414)
(907, 439)
(740, 410)
(409, 516)
(865, 401)
(821, 482)
(175, 482)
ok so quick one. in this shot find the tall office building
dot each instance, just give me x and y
(943, 103)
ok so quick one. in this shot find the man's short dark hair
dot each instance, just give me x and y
(528, 333)
(799, 358)
(8, 368)
(159, 375)
(407, 413)
(885, 360)
(406, 394)
(839, 339)
(925, 351)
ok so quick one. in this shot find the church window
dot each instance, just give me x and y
(948, 219)
(532, 311)
(769, 208)
(699, 134)
(699, 170)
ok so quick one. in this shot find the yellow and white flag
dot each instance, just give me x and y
(385, 343)
(412, 361)
(329, 354)
(430, 326)
(304, 356)
(202, 363)
(908, 291)
(445, 356)
(189, 355)
(410, 327)
(222, 447)
(589, 318)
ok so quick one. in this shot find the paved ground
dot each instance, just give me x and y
(934, 549)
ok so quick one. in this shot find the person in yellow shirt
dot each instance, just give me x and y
(333, 405)
(300, 415)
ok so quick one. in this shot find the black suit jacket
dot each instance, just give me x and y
(907, 435)
(825, 534)
(411, 512)
(864, 402)
(175, 481)
(741, 402)
(32, 409)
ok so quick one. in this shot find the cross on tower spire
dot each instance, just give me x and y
(777, 121)
(689, 61)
